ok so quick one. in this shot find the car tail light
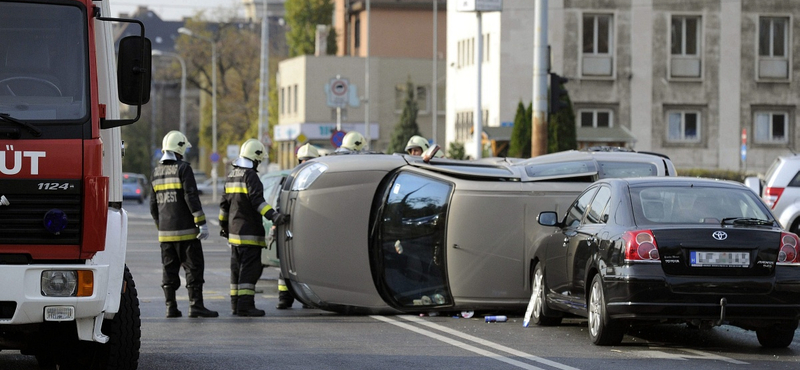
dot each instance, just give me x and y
(771, 196)
(138, 191)
(640, 245)
(790, 249)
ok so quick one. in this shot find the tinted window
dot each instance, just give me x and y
(795, 180)
(563, 168)
(691, 205)
(627, 169)
(410, 264)
(578, 209)
(598, 206)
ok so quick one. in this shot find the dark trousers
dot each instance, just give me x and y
(245, 269)
(187, 254)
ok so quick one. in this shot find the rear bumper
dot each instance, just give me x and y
(23, 302)
(659, 297)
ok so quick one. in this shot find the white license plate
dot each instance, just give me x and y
(720, 259)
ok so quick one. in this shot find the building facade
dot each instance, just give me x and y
(684, 78)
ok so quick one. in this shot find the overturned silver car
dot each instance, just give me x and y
(378, 233)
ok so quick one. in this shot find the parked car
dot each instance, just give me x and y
(272, 182)
(207, 186)
(134, 187)
(780, 190)
(376, 233)
(654, 250)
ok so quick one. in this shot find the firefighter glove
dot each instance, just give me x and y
(279, 219)
(203, 235)
(223, 233)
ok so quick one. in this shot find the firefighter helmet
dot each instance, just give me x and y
(417, 141)
(175, 141)
(353, 141)
(307, 152)
(253, 150)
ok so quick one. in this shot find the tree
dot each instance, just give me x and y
(457, 151)
(561, 130)
(302, 18)
(407, 126)
(520, 145)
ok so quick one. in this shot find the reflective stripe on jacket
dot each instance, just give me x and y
(174, 202)
(242, 208)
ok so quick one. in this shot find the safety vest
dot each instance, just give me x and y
(242, 208)
(174, 203)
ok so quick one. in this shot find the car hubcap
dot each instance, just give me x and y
(594, 310)
(537, 294)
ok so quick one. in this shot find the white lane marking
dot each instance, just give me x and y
(659, 353)
(456, 343)
(487, 343)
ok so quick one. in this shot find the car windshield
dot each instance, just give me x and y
(408, 258)
(696, 205)
(127, 179)
(43, 62)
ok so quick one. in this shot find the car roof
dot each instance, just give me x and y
(675, 181)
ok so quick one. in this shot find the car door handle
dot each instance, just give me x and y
(289, 235)
(591, 240)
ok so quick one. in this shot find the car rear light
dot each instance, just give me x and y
(640, 245)
(138, 191)
(790, 250)
(771, 196)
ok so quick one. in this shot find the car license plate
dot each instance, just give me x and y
(720, 259)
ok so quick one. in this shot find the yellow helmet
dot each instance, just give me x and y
(307, 152)
(417, 141)
(253, 150)
(175, 141)
(353, 141)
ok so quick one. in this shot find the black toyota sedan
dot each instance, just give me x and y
(655, 250)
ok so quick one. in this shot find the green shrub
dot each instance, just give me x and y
(714, 174)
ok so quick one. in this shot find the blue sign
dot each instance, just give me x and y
(744, 152)
(337, 137)
(214, 157)
(157, 154)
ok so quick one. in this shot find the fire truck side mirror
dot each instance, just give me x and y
(133, 70)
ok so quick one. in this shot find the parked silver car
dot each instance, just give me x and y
(780, 190)
(392, 233)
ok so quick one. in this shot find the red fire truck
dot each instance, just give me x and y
(66, 295)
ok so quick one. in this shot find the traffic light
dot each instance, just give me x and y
(557, 93)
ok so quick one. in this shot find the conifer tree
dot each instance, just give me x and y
(407, 126)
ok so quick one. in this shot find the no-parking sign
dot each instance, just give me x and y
(337, 90)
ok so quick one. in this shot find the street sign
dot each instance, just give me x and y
(479, 5)
(337, 92)
(232, 151)
(214, 157)
(337, 137)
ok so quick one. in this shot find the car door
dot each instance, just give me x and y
(555, 266)
(584, 244)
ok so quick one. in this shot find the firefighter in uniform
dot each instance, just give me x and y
(285, 299)
(416, 145)
(178, 213)
(240, 214)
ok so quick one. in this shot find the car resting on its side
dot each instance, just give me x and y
(652, 250)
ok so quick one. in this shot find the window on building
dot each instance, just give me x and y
(472, 51)
(683, 126)
(289, 99)
(486, 45)
(283, 100)
(295, 98)
(357, 34)
(771, 127)
(685, 46)
(773, 47)
(598, 45)
(596, 118)
(423, 104)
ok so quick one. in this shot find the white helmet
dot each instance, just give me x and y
(176, 142)
(307, 152)
(417, 141)
(353, 141)
(253, 150)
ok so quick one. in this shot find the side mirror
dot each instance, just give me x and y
(133, 70)
(548, 218)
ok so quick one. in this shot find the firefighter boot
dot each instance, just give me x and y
(172, 303)
(234, 304)
(285, 299)
(196, 308)
(247, 306)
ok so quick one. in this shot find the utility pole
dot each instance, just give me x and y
(540, 67)
(435, 84)
(263, 88)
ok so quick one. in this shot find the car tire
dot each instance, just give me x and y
(776, 336)
(603, 331)
(541, 315)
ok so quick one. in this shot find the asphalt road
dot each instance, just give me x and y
(313, 339)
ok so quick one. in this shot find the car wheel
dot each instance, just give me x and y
(140, 200)
(602, 330)
(776, 336)
(540, 315)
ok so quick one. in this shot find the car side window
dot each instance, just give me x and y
(578, 209)
(795, 181)
(598, 206)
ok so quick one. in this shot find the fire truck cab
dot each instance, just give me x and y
(67, 296)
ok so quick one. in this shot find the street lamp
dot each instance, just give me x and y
(214, 160)
(183, 84)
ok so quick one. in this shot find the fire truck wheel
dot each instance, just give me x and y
(124, 332)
